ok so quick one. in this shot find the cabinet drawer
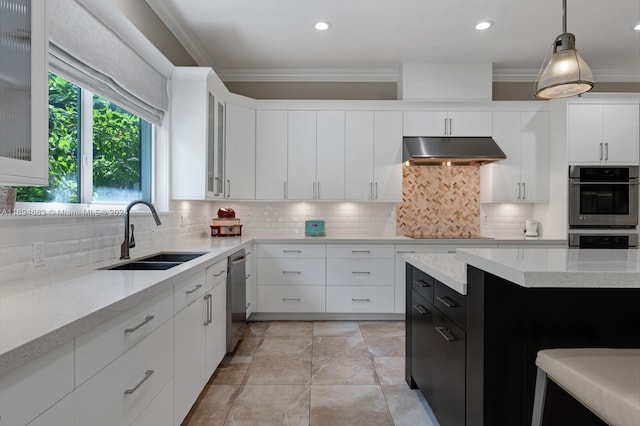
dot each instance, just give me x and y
(292, 250)
(98, 347)
(422, 283)
(121, 391)
(356, 299)
(36, 386)
(189, 290)
(358, 251)
(285, 271)
(274, 298)
(360, 271)
(216, 273)
(451, 303)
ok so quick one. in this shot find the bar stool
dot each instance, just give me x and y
(606, 381)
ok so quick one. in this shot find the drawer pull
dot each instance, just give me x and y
(361, 251)
(406, 251)
(292, 251)
(193, 290)
(146, 320)
(421, 309)
(147, 374)
(360, 272)
(360, 300)
(208, 300)
(422, 283)
(451, 251)
(219, 273)
(290, 300)
(447, 302)
(291, 272)
(444, 332)
(246, 277)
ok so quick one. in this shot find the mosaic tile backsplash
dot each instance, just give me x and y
(440, 202)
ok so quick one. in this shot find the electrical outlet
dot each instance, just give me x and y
(38, 254)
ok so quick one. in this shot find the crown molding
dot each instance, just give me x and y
(311, 75)
(170, 16)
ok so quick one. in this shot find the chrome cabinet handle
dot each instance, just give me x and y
(601, 151)
(451, 251)
(147, 374)
(228, 188)
(524, 191)
(361, 251)
(247, 306)
(405, 251)
(444, 332)
(207, 300)
(246, 277)
(193, 290)
(219, 273)
(422, 283)
(606, 151)
(292, 251)
(291, 272)
(450, 127)
(376, 191)
(445, 127)
(132, 329)
(290, 300)
(360, 272)
(421, 309)
(447, 302)
(360, 300)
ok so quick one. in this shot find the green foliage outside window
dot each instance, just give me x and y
(116, 149)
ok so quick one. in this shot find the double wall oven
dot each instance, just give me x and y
(603, 206)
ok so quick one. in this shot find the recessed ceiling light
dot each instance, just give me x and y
(321, 26)
(637, 27)
(484, 25)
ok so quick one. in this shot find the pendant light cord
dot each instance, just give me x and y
(564, 16)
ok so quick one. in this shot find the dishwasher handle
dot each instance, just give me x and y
(238, 260)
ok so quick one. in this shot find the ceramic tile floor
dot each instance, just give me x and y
(316, 373)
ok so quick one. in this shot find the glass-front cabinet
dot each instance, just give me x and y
(197, 135)
(23, 93)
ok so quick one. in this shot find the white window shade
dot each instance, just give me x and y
(89, 53)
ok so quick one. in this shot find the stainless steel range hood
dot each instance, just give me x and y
(451, 150)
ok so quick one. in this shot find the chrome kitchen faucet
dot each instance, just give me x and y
(131, 242)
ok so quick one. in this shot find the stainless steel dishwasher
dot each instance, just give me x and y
(236, 299)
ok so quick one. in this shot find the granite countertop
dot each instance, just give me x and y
(444, 267)
(558, 267)
(43, 311)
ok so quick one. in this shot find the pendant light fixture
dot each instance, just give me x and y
(566, 74)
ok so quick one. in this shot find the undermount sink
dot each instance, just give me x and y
(157, 262)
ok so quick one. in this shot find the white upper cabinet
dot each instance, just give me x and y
(524, 175)
(197, 135)
(301, 155)
(447, 123)
(24, 148)
(271, 155)
(240, 153)
(330, 145)
(603, 133)
(373, 156)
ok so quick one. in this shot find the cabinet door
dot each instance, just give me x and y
(240, 153)
(160, 411)
(189, 370)
(469, 123)
(24, 150)
(388, 156)
(60, 414)
(330, 150)
(534, 164)
(400, 276)
(584, 133)
(215, 147)
(500, 181)
(424, 123)
(271, 155)
(301, 155)
(359, 156)
(620, 133)
(421, 356)
(216, 327)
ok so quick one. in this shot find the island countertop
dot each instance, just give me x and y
(558, 267)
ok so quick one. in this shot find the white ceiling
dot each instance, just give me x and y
(370, 39)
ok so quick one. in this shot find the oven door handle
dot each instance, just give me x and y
(629, 182)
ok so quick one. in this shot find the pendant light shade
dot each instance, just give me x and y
(566, 74)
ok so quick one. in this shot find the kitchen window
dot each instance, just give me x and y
(98, 152)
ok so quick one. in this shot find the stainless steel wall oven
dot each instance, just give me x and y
(603, 196)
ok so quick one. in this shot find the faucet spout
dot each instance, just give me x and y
(126, 244)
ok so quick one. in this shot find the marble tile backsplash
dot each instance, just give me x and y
(505, 221)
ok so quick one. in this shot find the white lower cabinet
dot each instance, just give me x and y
(215, 317)
(285, 271)
(360, 298)
(120, 392)
(189, 346)
(252, 280)
(60, 414)
(400, 276)
(27, 392)
(160, 411)
(288, 298)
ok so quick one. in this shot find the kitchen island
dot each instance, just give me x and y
(517, 302)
